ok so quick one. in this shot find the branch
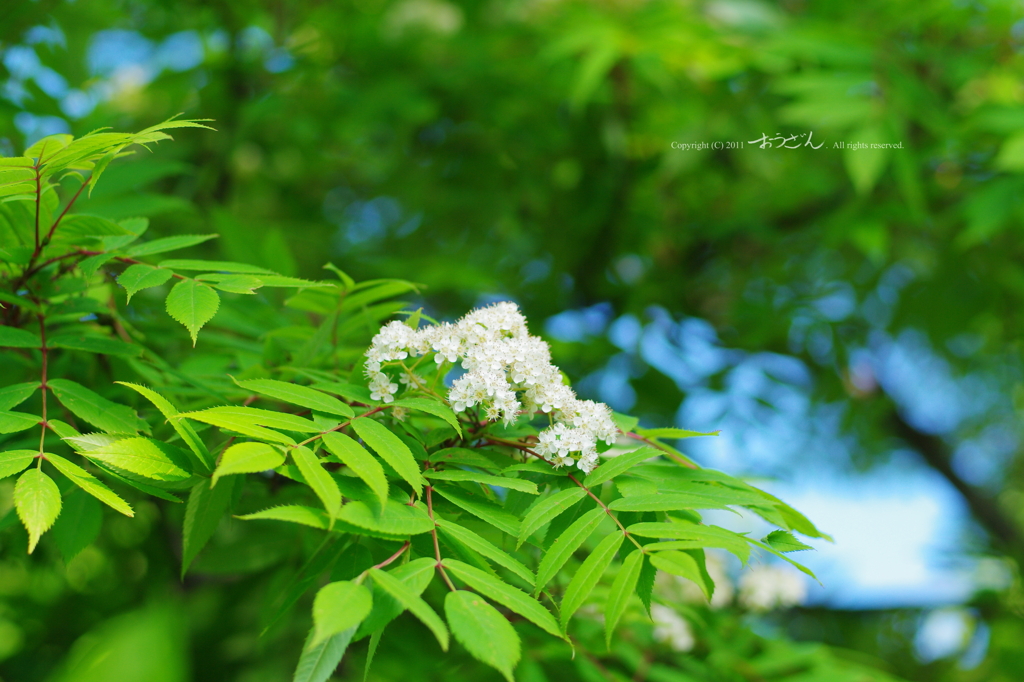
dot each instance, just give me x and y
(1004, 531)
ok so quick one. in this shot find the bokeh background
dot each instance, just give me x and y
(848, 318)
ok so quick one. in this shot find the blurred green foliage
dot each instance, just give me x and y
(523, 148)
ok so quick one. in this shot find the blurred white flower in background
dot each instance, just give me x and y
(769, 586)
(671, 628)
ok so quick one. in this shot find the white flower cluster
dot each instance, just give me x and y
(671, 628)
(507, 372)
(767, 586)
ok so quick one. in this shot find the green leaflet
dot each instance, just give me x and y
(485, 633)
(772, 550)
(684, 565)
(464, 457)
(673, 433)
(12, 337)
(144, 457)
(304, 396)
(508, 596)
(392, 450)
(206, 505)
(15, 461)
(416, 575)
(37, 501)
(78, 526)
(487, 479)
(168, 244)
(533, 467)
(355, 457)
(182, 427)
(339, 606)
(230, 419)
(318, 479)
(95, 409)
(692, 536)
(94, 343)
(784, 541)
(193, 304)
(13, 422)
(487, 512)
(359, 394)
(233, 284)
(547, 509)
(292, 513)
(254, 416)
(431, 406)
(587, 576)
(16, 394)
(394, 519)
(248, 458)
(410, 600)
(611, 468)
(90, 484)
(622, 589)
(668, 502)
(216, 266)
(485, 548)
(141, 276)
(319, 661)
(567, 543)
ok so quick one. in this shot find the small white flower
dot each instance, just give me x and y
(671, 628)
(768, 586)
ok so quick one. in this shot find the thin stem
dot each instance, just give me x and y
(433, 532)
(391, 559)
(67, 208)
(46, 352)
(668, 453)
(339, 427)
(608, 512)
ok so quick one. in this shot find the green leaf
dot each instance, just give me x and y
(487, 479)
(318, 662)
(98, 411)
(231, 419)
(338, 607)
(692, 536)
(410, 600)
(13, 422)
(547, 509)
(298, 395)
(488, 512)
(485, 548)
(465, 457)
(360, 461)
(510, 597)
(248, 458)
(772, 550)
(141, 276)
(431, 406)
(144, 457)
(611, 468)
(192, 304)
(234, 284)
(392, 450)
(15, 394)
(645, 584)
(683, 565)
(182, 427)
(94, 343)
(588, 574)
(622, 589)
(90, 484)
(567, 543)
(673, 433)
(865, 166)
(292, 513)
(416, 575)
(206, 505)
(485, 633)
(394, 519)
(784, 541)
(37, 501)
(78, 226)
(667, 502)
(168, 244)
(78, 526)
(252, 416)
(15, 461)
(12, 337)
(318, 479)
(216, 266)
